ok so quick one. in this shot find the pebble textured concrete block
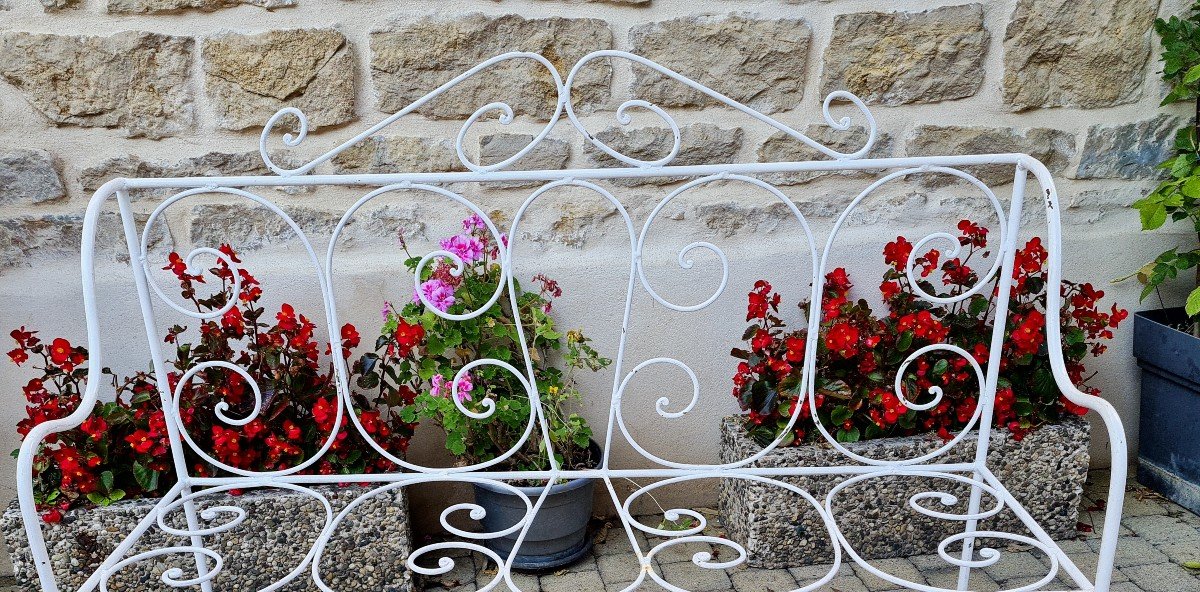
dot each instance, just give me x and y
(367, 551)
(1045, 471)
(133, 80)
(1127, 151)
(409, 60)
(897, 58)
(250, 77)
(760, 62)
(170, 6)
(29, 177)
(1054, 148)
(1045, 66)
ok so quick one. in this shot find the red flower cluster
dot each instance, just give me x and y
(123, 448)
(859, 354)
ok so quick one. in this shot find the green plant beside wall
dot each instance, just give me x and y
(1177, 198)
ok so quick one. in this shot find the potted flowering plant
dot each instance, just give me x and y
(861, 354)
(417, 360)
(1167, 339)
(121, 452)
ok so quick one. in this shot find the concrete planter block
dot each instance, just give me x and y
(1045, 471)
(368, 550)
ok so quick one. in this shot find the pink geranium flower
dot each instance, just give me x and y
(438, 293)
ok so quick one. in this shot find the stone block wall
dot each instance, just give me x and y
(95, 89)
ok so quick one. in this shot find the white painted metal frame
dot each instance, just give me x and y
(983, 483)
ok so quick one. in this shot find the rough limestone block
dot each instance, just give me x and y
(250, 77)
(898, 58)
(550, 154)
(132, 80)
(1055, 148)
(169, 6)
(410, 60)
(780, 147)
(398, 154)
(1045, 471)
(1127, 151)
(699, 143)
(1045, 65)
(29, 176)
(27, 239)
(368, 550)
(760, 62)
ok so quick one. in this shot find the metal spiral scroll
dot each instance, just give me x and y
(693, 535)
(342, 372)
(222, 407)
(506, 117)
(685, 262)
(988, 556)
(624, 118)
(982, 283)
(564, 102)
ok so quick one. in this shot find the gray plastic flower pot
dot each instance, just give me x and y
(558, 535)
(1168, 449)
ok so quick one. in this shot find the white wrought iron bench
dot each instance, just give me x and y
(988, 494)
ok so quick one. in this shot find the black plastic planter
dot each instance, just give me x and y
(1169, 449)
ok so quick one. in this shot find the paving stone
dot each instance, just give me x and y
(899, 567)
(692, 577)
(618, 570)
(1125, 587)
(811, 573)
(1181, 552)
(948, 578)
(762, 580)
(1161, 529)
(1162, 577)
(1087, 563)
(1015, 565)
(1133, 551)
(572, 582)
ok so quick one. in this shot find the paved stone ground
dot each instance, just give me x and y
(1157, 538)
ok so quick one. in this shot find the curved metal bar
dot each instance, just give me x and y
(623, 117)
(506, 118)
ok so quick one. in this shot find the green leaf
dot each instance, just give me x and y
(106, 480)
(1192, 306)
(978, 305)
(1192, 75)
(1153, 216)
(940, 367)
(146, 478)
(840, 414)
(850, 435)
(905, 341)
